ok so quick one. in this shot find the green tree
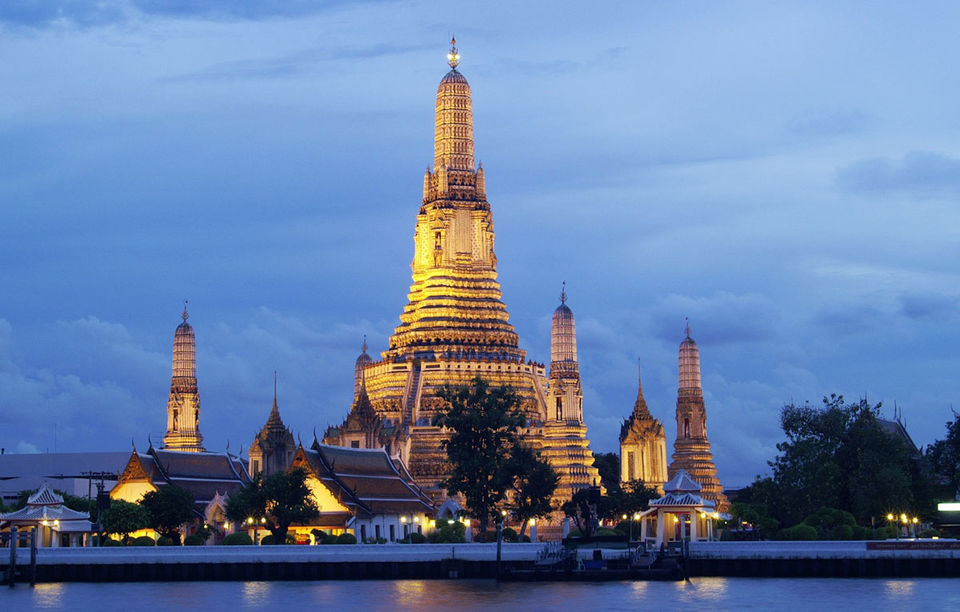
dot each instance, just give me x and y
(533, 482)
(123, 518)
(608, 464)
(483, 421)
(169, 507)
(944, 460)
(839, 456)
(283, 499)
(632, 497)
(581, 508)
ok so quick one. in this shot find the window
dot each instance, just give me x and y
(686, 428)
(377, 531)
(355, 444)
(392, 535)
(559, 408)
(631, 468)
(176, 417)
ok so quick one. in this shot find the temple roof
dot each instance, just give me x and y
(682, 482)
(454, 77)
(367, 480)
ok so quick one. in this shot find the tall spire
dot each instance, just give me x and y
(640, 407)
(563, 337)
(689, 362)
(563, 292)
(453, 135)
(183, 404)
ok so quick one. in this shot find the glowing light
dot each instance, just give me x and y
(916, 520)
(249, 520)
(636, 516)
(949, 507)
(263, 520)
(624, 517)
(903, 517)
(889, 517)
(44, 522)
(716, 515)
(503, 513)
(56, 522)
(416, 519)
(451, 522)
(403, 519)
(533, 522)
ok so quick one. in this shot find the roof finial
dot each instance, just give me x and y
(453, 57)
(364, 343)
(185, 315)
(274, 387)
(688, 326)
(563, 293)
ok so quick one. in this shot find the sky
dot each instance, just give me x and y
(785, 174)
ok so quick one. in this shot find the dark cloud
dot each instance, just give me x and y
(849, 320)
(930, 306)
(917, 174)
(722, 318)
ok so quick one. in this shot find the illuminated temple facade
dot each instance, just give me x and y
(691, 451)
(455, 326)
(183, 405)
(643, 445)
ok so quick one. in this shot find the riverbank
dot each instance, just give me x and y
(463, 561)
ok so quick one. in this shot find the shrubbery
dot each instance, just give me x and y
(194, 540)
(165, 541)
(929, 533)
(453, 533)
(142, 541)
(238, 539)
(346, 538)
(110, 542)
(798, 532)
(268, 540)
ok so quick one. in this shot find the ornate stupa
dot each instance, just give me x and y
(691, 451)
(274, 447)
(643, 445)
(455, 325)
(564, 441)
(363, 360)
(183, 405)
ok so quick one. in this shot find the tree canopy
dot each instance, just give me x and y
(839, 456)
(123, 518)
(283, 499)
(168, 508)
(483, 423)
(533, 482)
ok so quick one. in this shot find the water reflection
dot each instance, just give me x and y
(409, 593)
(898, 589)
(48, 595)
(256, 593)
(702, 589)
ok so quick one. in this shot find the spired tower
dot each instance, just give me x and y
(643, 445)
(183, 406)
(273, 448)
(691, 451)
(455, 325)
(363, 360)
(564, 443)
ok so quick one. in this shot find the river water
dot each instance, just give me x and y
(699, 594)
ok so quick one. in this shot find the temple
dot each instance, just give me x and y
(455, 326)
(273, 448)
(643, 445)
(691, 451)
(183, 406)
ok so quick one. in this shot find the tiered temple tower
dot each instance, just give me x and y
(564, 443)
(455, 325)
(273, 448)
(691, 451)
(643, 445)
(183, 406)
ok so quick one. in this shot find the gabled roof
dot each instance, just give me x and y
(365, 480)
(203, 474)
(45, 505)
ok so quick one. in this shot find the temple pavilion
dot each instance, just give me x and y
(56, 525)
(681, 514)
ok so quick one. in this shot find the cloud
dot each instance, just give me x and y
(828, 123)
(294, 63)
(929, 306)
(722, 318)
(922, 174)
(87, 13)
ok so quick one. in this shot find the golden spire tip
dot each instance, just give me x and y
(453, 57)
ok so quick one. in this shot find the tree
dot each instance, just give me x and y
(168, 508)
(123, 518)
(632, 497)
(533, 482)
(586, 504)
(944, 459)
(483, 423)
(838, 456)
(283, 499)
(608, 464)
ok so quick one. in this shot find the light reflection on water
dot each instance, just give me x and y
(464, 595)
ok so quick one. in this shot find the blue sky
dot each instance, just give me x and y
(786, 174)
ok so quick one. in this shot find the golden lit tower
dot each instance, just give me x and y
(183, 407)
(455, 325)
(564, 443)
(691, 451)
(565, 392)
(643, 445)
(273, 448)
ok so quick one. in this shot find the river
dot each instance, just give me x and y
(699, 594)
